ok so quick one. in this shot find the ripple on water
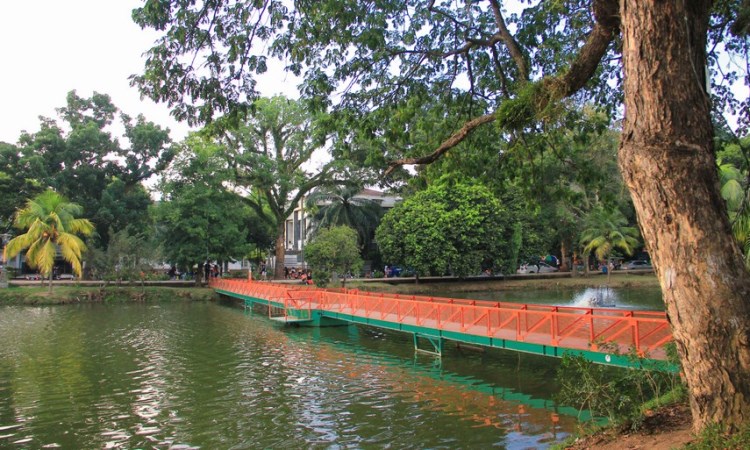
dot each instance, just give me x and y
(203, 376)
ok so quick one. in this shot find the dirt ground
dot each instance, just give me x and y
(668, 428)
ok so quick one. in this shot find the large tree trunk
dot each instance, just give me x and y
(667, 160)
(278, 270)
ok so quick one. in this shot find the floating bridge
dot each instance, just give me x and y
(610, 336)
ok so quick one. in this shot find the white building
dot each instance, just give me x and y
(299, 223)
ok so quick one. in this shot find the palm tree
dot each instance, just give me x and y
(51, 223)
(339, 205)
(606, 230)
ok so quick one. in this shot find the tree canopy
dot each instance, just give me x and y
(371, 61)
(452, 226)
(81, 160)
(333, 250)
(199, 219)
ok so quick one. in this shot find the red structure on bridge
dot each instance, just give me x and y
(603, 335)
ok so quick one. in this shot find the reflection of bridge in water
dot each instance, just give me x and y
(602, 335)
(481, 403)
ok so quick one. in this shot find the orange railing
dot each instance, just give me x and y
(646, 332)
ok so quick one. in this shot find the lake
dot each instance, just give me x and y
(646, 299)
(186, 375)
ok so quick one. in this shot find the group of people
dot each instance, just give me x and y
(304, 275)
(211, 270)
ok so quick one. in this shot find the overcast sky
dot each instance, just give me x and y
(50, 47)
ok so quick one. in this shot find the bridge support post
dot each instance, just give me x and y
(437, 344)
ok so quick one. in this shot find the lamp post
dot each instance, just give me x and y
(4, 237)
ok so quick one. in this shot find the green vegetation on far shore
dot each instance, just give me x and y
(618, 280)
(64, 294)
(61, 295)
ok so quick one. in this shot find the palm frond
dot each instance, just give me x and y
(45, 258)
(71, 245)
(80, 226)
(16, 245)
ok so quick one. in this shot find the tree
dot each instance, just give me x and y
(333, 250)
(384, 55)
(50, 223)
(17, 185)
(268, 153)
(81, 160)
(340, 205)
(667, 159)
(451, 226)
(199, 219)
(126, 257)
(605, 231)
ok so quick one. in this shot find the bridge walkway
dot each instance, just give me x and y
(604, 335)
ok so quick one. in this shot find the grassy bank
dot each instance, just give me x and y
(61, 295)
(618, 280)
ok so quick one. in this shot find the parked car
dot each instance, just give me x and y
(32, 276)
(637, 264)
(66, 276)
(540, 267)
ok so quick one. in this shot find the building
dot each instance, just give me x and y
(299, 223)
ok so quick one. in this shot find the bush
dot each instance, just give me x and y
(614, 393)
(235, 274)
(714, 437)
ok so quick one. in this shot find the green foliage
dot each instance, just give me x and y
(714, 437)
(199, 219)
(333, 250)
(613, 393)
(16, 185)
(734, 190)
(80, 159)
(125, 258)
(606, 230)
(515, 244)
(340, 205)
(50, 222)
(452, 226)
(315, 40)
(520, 112)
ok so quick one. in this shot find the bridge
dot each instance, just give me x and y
(609, 336)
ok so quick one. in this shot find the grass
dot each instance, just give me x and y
(61, 295)
(618, 280)
(714, 437)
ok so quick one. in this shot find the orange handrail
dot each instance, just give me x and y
(571, 327)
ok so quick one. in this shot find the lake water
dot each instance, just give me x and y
(204, 375)
(647, 299)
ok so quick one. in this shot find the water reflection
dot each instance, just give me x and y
(204, 376)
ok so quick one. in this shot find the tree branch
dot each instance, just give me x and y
(606, 14)
(509, 41)
(451, 142)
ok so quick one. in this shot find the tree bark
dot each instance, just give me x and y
(667, 159)
(278, 270)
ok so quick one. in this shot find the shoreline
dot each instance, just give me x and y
(70, 292)
(625, 280)
(65, 295)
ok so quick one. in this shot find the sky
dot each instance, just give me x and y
(50, 47)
